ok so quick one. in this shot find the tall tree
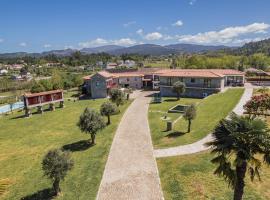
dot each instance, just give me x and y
(57, 80)
(117, 96)
(238, 144)
(179, 88)
(108, 109)
(189, 115)
(91, 122)
(55, 165)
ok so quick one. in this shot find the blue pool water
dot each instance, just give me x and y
(6, 108)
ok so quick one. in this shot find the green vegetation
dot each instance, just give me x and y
(191, 177)
(157, 63)
(107, 109)
(117, 96)
(238, 141)
(91, 122)
(189, 115)
(209, 112)
(55, 165)
(25, 141)
(179, 88)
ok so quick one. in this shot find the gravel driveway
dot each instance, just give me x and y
(131, 170)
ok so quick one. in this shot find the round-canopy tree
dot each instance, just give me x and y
(179, 88)
(91, 122)
(189, 115)
(37, 87)
(108, 109)
(238, 143)
(117, 96)
(55, 165)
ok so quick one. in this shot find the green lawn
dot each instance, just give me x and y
(24, 142)
(158, 64)
(209, 112)
(191, 177)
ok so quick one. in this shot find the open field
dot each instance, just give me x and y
(191, 177)
(24, 142)
(209, 112)
(158, 64)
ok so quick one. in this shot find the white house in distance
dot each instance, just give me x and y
(3, 72)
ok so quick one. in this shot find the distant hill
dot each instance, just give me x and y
(143, 49)
(106, 48)
(64, 52)
(194, 48)
(262, 46)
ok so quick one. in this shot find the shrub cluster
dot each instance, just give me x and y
(258, 105)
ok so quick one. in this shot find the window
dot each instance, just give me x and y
(97, 83)
(127, 79)
(207, 83)
(135, 79)
(192, 80)
(169, 81)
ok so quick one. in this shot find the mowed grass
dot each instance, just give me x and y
(158, 64)
(209, 112)
(191, 177)
(24, 142)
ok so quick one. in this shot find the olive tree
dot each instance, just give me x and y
(108, 109)
(179, 88)
(55, 165)
(117, 96)
(189, 115)
(91, 122)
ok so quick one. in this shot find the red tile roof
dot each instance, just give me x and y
(208, 73)
(42, 93)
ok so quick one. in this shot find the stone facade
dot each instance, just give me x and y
(98, 86)
(195, 87)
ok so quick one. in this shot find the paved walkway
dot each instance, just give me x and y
(200, 145)
(131, 172)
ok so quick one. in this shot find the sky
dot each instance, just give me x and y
(37, 26)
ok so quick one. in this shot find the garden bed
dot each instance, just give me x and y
(178, 109)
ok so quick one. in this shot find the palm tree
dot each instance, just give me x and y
(238, 142)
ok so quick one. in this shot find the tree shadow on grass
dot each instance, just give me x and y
(81, 145)
(45, 194)
(175, 134)
(170, 100)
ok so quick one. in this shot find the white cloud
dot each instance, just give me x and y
(140, 32)
(124, 42)
(92, 43)
(23, 44)
(68, 47)
(1, 40)
(129, 23)
(192, 2)
(47, 45)
(153, 36)
(178, 23)
(101, 41)
(226, 35)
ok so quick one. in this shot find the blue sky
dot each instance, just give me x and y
(35, 26)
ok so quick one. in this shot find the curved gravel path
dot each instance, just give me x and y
(200, 145)
(131, 170)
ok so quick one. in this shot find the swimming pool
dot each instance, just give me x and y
(6, 108)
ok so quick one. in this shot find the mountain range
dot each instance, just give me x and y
(143, 49)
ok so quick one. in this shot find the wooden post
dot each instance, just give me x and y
(28, 112)
(62, 104)
(52, 107)
(40, 110)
